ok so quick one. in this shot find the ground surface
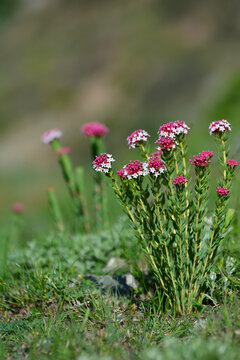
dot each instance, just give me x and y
(49, 311)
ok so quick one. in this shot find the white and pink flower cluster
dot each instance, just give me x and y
(155, 165)
(173, 129)
(48, 136)
(219, 126)
(137, 137)
(169, 132)
(102, 163)
(133, 170)
(166, 143)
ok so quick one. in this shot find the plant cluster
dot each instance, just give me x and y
(74, 178)
(169, 214)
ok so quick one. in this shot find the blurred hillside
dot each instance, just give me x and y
(129, 64)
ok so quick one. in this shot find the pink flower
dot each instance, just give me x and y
(221, 190)
(173, 129)
(64, 150)
(202, 159)
(232, 162)
(137, 137)
(134, 169)
(180, 180)
(94, 129)
(155, 166)
(166, 143)
(50, 135)
(156, 153)
(219, 126)
(121, 173)
(102, 163)
(17, 207)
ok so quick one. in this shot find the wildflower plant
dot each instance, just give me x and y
(95, 133)
(72, 178)
(168, 209)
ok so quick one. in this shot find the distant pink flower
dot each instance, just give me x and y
(221, 190)
(137, 137)
(166, 143)
(50, 135)
(180, 180)
(173, 129)
(232, 162)
(202, 159)
(17, 207)
(102, 163)
(133, 170)
(94, 129)
(64, 150)
(219, 126)
(155, 165)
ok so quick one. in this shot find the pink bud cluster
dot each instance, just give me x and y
(17, 207)
(102, 163)
(202, 159)
(232, 162)
(219, 126)
(94, 129)
(173, 129)
(156, 153)
(180, 180)
(137, 137)
(63, 150)
(166, 143)
(133, 170)
(48, 136)
(155, 166)
(222, 190)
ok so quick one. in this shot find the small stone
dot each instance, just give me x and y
(114, 264)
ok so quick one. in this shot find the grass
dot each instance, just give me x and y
(48, 310)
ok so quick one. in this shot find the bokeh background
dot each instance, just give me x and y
(129, 64)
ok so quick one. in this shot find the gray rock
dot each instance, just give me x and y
(118, 284)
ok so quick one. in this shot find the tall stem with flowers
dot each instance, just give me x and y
(73, 178)
(168, 214)
(95, 132)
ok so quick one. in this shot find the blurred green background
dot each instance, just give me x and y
(130, 64)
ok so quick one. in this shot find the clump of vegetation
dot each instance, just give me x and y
(169, 215)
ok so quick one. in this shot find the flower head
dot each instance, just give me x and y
(50, 135)
(137, 137)
(219, 126)
(180, 180)
(17, 207)
(94, 129)
(155, 165)
(103, 162)
(232, 162)
(156, 153)
(202, 159)
(133, 170)
(63, 150)
(173, 129)
(121, 173)
(166, 143)
(222, 190)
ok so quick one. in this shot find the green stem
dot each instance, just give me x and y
(55, 208)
